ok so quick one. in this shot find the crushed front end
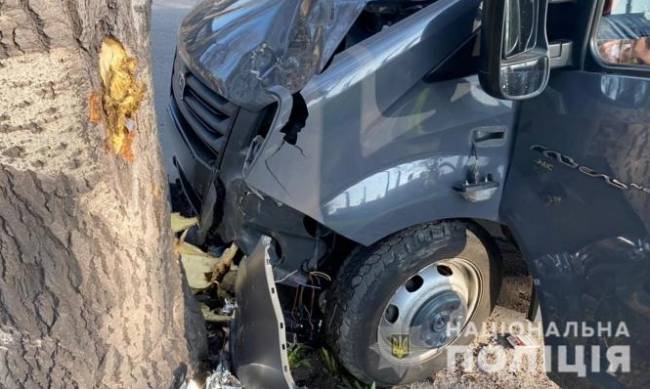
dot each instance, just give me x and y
(230, 55)
(216, 136)
(238, 81)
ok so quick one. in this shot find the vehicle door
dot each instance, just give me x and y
(577, 195)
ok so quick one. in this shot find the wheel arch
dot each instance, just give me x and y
(497, 238)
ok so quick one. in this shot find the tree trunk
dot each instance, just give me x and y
(91, 294)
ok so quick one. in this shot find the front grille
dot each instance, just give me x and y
(207, 115)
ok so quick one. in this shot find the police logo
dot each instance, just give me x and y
(399, 345)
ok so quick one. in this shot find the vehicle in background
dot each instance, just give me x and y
(370, 154)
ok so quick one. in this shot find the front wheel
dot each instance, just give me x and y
(397, 305)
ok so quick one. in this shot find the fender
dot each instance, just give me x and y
(382, 148)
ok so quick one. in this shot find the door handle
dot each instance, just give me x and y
(489, 136)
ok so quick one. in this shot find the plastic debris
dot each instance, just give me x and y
(228, 308)
(225, 263)
(202, 269)
(180, 223)
(210, 316)
(222, 378)
(198, 265)
(517, 341)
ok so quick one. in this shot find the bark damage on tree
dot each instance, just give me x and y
(122, 96)
(91, 294)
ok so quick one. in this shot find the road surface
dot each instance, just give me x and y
(166, 18)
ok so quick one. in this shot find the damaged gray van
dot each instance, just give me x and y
(368, 154)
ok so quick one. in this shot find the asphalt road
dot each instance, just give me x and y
(166, 18)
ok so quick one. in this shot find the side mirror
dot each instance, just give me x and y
(515, 60)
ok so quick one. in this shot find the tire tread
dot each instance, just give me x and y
(362, 268)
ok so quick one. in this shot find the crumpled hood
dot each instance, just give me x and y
(245, 47)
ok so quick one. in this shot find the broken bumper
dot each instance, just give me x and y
(257, 337)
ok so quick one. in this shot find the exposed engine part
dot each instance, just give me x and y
(379, 14)
(302, 311)
(398, 8)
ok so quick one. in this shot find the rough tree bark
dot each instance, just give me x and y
(91, 294)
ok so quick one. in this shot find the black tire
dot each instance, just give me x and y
(368, 279)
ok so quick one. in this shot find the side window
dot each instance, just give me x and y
(623, 36)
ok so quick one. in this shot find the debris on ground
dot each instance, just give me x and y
(523, 376)
(520, 340)
(212, 273)
(316, 368)
(202, 268)
(224, 264)
(181, 223)
(222, 378)
(229, 306)
(211, 316)
(205, 271)
(198, 266)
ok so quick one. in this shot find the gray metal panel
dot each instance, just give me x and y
(382, 149)
(245, 47)
(577, 199)
(258, 333)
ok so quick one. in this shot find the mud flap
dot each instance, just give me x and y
(257, 337)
